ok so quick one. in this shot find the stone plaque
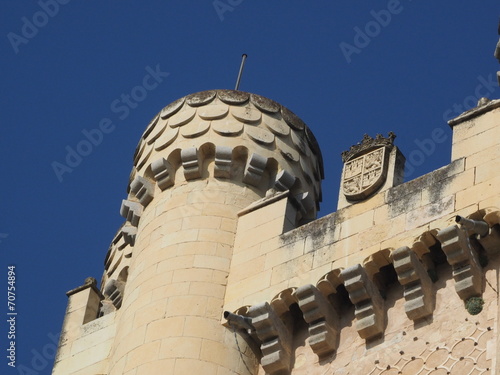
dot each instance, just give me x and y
(363, 175)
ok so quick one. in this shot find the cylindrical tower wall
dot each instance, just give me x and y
(201, 160)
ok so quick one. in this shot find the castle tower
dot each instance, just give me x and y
(220, 221)
(202, 161)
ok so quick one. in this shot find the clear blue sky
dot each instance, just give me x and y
(346, 69)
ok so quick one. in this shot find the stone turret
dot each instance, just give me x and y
(200, 161)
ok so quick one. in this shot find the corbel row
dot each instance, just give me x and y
(192, 160)
(321, 313)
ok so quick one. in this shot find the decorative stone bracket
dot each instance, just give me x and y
(275, 338)
(142, 189)
(255, 169)
(191, 163)
(323, 320)
(223, 161)
(418, 290)
(463, 259)
(162, 173)
(369, 305)
(129, 233)
(131, 211)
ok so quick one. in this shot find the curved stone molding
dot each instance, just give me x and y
(172, 108)
(191, 163)
(323, 320)
(142, 189)
(113, 291)
(162, 173)
(131, 211)
(200, 98)
(328, 283)
(129, 233)
(223, 161)
(463, 259)
(166, 139)
(195, 163)
(264, 104)
(284, 181)
(306, 202)
(254, 170)
(275, 338)
(233, 96)
(282, 301)
(416, 282)
(369, 305)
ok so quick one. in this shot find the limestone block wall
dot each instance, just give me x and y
(396, 269)
(85, 343)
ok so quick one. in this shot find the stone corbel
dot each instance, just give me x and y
(421, 247)
(284, 181)
(368, 303)
(191, 163)
(142, 189)
(463, 259)
(223, 161)
(129, 232)
(163, 173)
(113, 291)
(491, 242)
(322, 319)
(131, 211)
(416, 282)
(275, 339)
(254, 170)
(307, 203)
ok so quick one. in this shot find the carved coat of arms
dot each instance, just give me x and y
(365, 167)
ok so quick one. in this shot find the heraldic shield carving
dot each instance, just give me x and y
(365, 166)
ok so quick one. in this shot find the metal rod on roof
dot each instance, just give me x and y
(243, 58)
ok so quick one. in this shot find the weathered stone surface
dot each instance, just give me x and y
(254, 169)
(191, 163)
(129, 233)
(259, 135)
(418, 290)
(284, 181)
(131, 211)
(166, 139)
(183, 117)
(367, 301)
(461, 256)
(223, 160)
(213, 112)
(142, 189)
(246, 114)
(274, 336)
(162, 173)
(172, 108)
(322, 319)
